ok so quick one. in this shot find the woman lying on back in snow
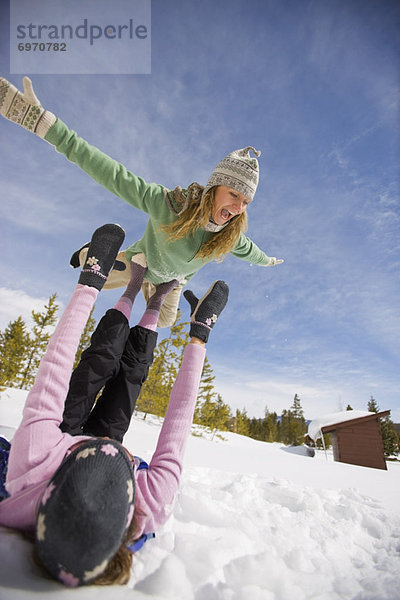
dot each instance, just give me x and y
(187, 227)
(89, 502)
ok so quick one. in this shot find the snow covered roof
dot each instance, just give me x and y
(314, 428)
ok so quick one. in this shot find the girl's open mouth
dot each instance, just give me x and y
(226, 214)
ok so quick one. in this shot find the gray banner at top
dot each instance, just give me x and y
(80, 37)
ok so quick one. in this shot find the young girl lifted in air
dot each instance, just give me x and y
(89, 502)
(187, 227)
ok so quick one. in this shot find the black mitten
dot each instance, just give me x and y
(205, 312)
(74, 261)
(103, 249)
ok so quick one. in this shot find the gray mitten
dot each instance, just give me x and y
(24, 109)
(205, 312)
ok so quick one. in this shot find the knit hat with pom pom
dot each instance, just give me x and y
(239, 171)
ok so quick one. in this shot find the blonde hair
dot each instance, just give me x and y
(196, 216)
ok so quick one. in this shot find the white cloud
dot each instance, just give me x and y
(255, 391)
(15, 303)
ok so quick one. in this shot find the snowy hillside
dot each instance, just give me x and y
(253, 521)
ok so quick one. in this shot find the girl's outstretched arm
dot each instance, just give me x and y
(39, 442)
(38, 437)
(158, 486)
(160, 483)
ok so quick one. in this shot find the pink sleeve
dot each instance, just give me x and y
(159, 484)
(38, 437)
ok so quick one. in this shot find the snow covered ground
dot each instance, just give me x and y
(253, 521)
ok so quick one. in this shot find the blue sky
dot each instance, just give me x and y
(315, 86)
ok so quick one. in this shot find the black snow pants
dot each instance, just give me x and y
(118, 358)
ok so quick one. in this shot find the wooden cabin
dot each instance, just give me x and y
(358, 441)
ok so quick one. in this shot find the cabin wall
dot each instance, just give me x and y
(360, 444)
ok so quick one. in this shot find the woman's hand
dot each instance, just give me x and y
(24, 108)
(273, 261)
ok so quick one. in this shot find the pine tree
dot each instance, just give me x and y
(349, 407)
(85, 337)
(38, 341)
(296, 408)
(287, 427)
(256, 429)
(206, 391)
(204, 413)
(14, 350)
(222, 415)
(326, 442)
(272, 430)
(215, 414)
(211, 412)
(389, 436)
(155, 392)
(264, 429)
(293, 424)
(300, 422)
(242, 422)
(372, 405)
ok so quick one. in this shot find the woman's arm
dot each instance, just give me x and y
(108, 172)
(24, 109)
(247, 250)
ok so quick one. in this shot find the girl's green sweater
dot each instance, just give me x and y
(166, 260)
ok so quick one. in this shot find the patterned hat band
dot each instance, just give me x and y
(239, 171)
(85, 512)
